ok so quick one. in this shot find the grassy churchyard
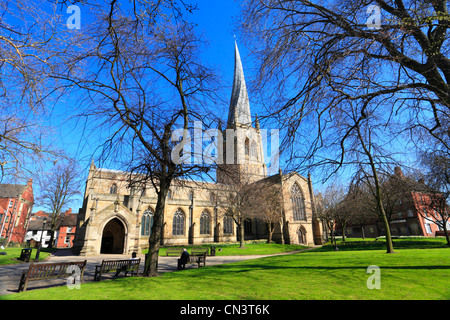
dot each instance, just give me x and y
(420, 269)
(13, 254)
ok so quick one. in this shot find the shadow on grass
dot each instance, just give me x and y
(381, 244)
(252, 267)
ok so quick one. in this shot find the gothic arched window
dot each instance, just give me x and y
(205, 223)
(113, 189)
(178, 223)
(298, 203)
(227, 225)
(253, 150)
(147, 222)
(247, 226)
(247, 147)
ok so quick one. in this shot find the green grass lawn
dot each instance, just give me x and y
(407, 274)
(13, 255)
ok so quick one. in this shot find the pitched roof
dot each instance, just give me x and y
(37, 225)
(69, 220)
(11, 190)
(409, 183)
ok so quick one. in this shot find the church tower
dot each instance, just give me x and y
(243, 153)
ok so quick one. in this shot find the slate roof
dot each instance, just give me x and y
(11, 190)
(37, 225)
(69, 220)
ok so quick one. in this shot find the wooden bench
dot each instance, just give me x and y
(198, 255)
(107, 266)
(174, 252)
(44, 271)
(199, 251)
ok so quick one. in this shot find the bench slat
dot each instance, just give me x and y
(116, 265)
(43, 271)
(174, 251)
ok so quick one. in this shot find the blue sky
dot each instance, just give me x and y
(215, 23)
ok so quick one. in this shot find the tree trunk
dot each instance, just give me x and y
(151, 261)
(380, 207)
(52, 239)
(241, 233)
(270, 228)
(444, 227)
(389, 245)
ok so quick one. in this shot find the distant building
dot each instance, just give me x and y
(16, 204)
(411, 214)
(66, 227)
(64, 231)
(37, 231)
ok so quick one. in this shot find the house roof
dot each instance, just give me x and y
(411, 184)
(11, 190)
(37, 225)
(69, 220)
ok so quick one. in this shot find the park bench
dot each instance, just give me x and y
(199, 251)
(198, 255)
(44, 271)
(108, 266)
(174, 252)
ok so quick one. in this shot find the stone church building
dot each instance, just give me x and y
(117, 219)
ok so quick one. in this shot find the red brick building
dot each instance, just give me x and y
(16, 204)
(412, 213)
(66, 228)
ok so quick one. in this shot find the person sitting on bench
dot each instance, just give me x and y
(183, 259)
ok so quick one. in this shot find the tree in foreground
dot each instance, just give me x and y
(148, 85)
(348, 78)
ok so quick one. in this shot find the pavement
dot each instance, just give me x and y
(10, 274)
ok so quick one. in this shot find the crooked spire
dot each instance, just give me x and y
(239, 113)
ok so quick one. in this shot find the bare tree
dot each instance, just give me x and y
(402, 45)
(58, 189)
(437, 182)
(31, 45)
(328, 207)
(361, 204)
(239, 197)
(147, 84)
(268, 206)
(327, 65)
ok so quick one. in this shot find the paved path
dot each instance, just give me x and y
(10, 274)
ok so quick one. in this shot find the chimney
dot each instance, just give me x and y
(398, 172)
(421, 181)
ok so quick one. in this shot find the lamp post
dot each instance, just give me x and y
(44, 221)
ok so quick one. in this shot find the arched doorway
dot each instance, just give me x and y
(302, 235)
(113, 237)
